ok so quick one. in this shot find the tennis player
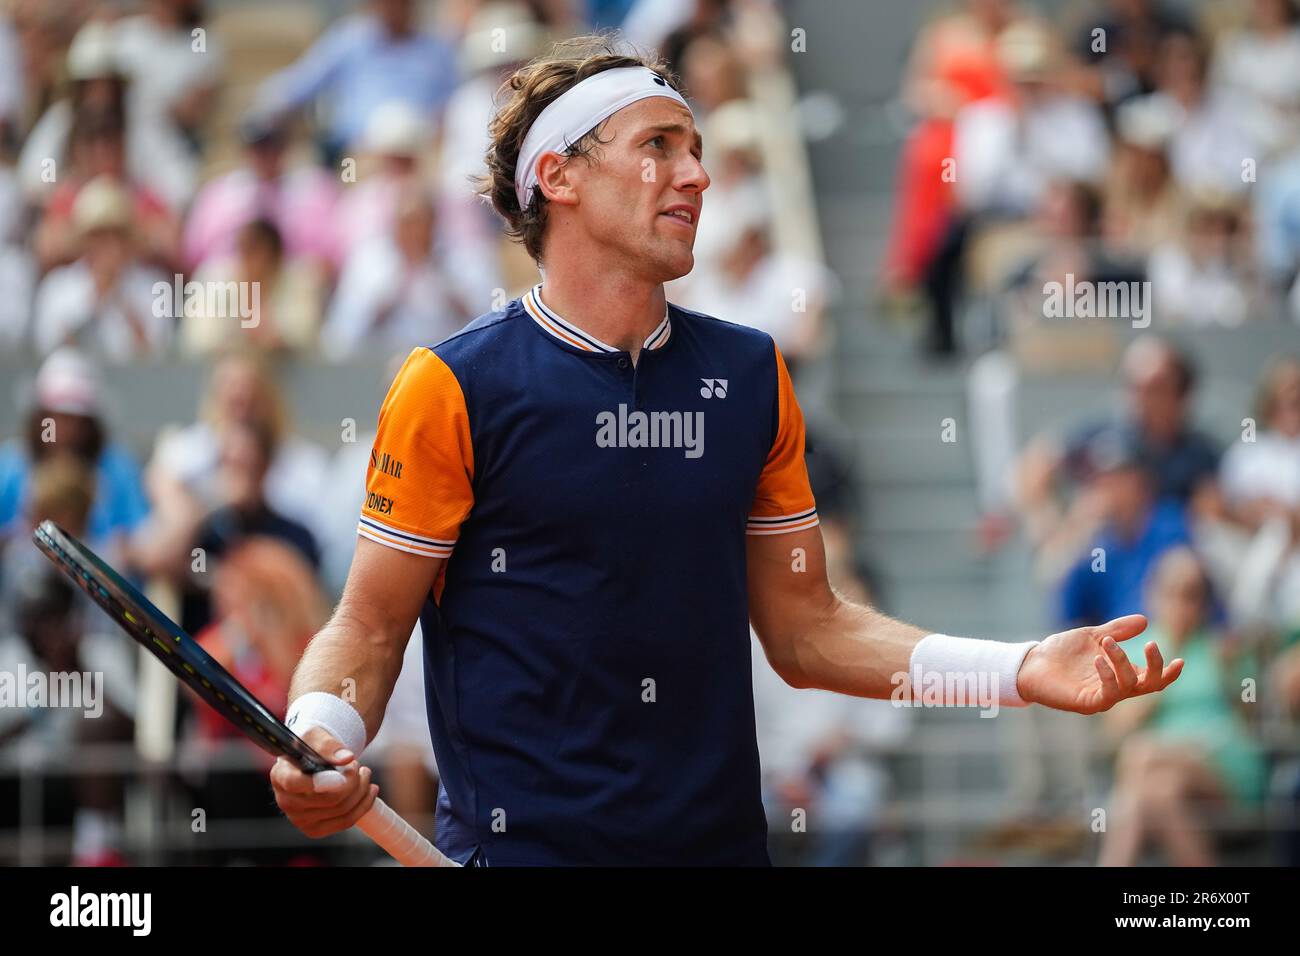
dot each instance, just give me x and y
(586, 497)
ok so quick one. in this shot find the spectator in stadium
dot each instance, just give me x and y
(175, 65)
(395, 291)
(95, 84)
(463, 241)
(1211, 143)
(1188, 751)
(1126, 528)
(97, 148)
(1006, 151)
(1118, 42)
(105, 300)
(61, 489)
(499, 38)
(1068, 247)
(299, 201)
(246, 453)
(1159, 387)
(266, 606)
(105, 65)
(712, 73)
(362, 61)
(1205, 276)
(45, 628)
(1143, 205)
(67, 420)
(1257, 68)
(183, 476)
(1259, 564)
(388, 164)
(34, 62)
(954, 63)
(288, 299)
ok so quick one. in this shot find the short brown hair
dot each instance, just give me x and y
(522, 97)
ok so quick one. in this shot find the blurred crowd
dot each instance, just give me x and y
(1114, 140)
(243, 188)
(1155, 146)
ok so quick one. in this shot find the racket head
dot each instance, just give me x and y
(181, 654)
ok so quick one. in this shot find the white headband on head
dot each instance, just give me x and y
(578, 111)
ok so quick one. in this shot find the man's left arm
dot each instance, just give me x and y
(815, 638)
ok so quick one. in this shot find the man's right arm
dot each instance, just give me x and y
(418, 492)
(357, 655)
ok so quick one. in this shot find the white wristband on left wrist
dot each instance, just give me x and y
(945, 654)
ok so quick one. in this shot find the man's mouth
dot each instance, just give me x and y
(681, 215)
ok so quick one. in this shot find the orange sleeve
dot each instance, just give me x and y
(784, 499)
(418, 487)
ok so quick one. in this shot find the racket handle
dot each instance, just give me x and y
(399, 839)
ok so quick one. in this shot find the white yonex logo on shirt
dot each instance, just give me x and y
(639, 429)
(714, 387)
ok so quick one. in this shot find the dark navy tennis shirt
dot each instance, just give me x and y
(587, 649)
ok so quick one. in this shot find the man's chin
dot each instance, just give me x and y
(678, 266)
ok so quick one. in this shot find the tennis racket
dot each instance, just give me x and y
(196, 669)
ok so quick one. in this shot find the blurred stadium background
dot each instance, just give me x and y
(896, 186)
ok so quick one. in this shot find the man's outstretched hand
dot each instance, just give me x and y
(1086, 671)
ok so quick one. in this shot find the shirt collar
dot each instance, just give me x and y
(570, 334)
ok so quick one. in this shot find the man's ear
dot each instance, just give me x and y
(555, 180)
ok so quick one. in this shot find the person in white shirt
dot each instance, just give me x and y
(1007, 151)
(1260, 478)
(393, 291)
(105, 301)
(1258, 68)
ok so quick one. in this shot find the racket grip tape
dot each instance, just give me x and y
(399, 839)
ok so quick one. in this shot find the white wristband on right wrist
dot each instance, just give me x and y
(338, 718)
(945, 654)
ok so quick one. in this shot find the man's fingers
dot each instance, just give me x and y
(286, 778)
(319, 739)
(1123, 628)
(1171, 672)
(357, 805)
(1124, 672)
(1107, 676)
(1154, 673)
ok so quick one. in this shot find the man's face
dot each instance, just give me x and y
(1155, 394)
(642, 193)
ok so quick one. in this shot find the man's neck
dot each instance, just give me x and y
(619, 310)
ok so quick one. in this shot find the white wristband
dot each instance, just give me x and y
(338, 718)
(945, 654)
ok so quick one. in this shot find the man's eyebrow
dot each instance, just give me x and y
(674, 128)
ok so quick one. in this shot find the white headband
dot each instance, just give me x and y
(578, 111)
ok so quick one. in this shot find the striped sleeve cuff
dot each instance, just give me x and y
(781, 524)
(391, 537)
